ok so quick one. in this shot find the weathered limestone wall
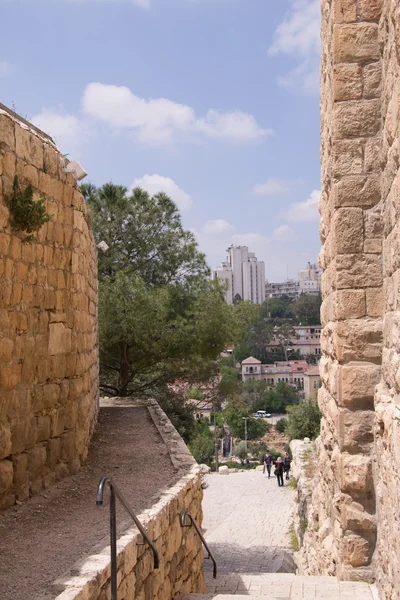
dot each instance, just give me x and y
(342, 533)
(387, 398)
(180, 554)
(354, 528)
(48, 322)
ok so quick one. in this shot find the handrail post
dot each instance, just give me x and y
(113, 543)
(187, 512)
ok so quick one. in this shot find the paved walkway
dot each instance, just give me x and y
(246, 521)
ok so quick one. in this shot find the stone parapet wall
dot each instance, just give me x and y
(387, 397)
(48, 322)
(180, 554)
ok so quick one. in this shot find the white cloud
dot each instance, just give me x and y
(303, 211)
(283, 233)
(5, 67)
(68, 132)
(298, 36)
(217, 227)
(161, 121)
(157, 183)
(272, 187)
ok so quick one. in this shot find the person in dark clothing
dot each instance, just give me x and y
(279, 468)
(268, 463)
(286, 464)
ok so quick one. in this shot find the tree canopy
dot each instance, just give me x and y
(161, 317)
(144, 235)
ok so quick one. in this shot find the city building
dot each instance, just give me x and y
(309, 282)
(289, 287)
(306, 339)
(291, 372)
(312, 382)
(244, 274)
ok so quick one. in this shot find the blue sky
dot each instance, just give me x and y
(214, 101)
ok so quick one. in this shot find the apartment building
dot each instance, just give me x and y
(244, 275)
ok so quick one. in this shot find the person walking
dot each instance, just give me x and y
(286, 464)
(279, 468)
(268, 463)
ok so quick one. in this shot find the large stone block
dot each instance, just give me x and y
(356, 473)
(356, 118)
(370, 10)
(59, 338)
(345, 11)
(350, 304)
(348, 156)
(358, 271)
(348, 226)
(355, 43)
(357, 383)
(358, 191)
(356, 550)
(356, 430)
(347, 82)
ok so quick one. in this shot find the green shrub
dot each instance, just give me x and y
(240, 451)
(202, 448)
(280, 425)
(26, 214)
(304, 421)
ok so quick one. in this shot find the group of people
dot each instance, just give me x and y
(282, 466)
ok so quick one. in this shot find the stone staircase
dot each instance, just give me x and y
(282, 586)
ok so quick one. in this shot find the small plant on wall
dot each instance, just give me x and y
(26, 214)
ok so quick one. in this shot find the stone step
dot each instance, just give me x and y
(282, 586)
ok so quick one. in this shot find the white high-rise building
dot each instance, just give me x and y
(310, 280)
(244, 274)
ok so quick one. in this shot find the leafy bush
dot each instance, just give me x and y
(280, 425)
(26, 214)
(258, 450)
(241, 451)
(304, 421)
(202, 448)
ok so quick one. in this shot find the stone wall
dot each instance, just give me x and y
(355, 527)
(387, 397)
(180, 554)
(48, 322)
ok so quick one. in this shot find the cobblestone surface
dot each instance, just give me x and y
(246, 521)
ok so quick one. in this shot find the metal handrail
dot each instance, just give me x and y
(193, 522)
(115, 492)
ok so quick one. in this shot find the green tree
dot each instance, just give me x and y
(307, 309)
(153, 337)
(240, 451)
(144, 234)
(304, 421)
(234, 413)
(230, 382)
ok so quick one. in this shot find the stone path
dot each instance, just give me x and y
(246, 521)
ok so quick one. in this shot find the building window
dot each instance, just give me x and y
(247, 369)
